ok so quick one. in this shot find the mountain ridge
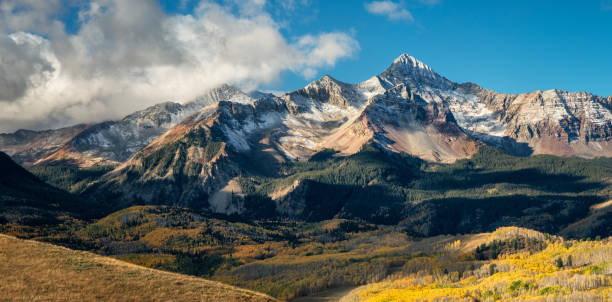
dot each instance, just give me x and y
(539, 122)
(112, 142)
(196, 150)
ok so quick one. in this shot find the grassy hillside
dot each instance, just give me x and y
(34, 271)
(292, 259)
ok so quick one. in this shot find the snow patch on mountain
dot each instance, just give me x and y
(472, 114)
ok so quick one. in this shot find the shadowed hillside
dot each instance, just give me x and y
(29, 206)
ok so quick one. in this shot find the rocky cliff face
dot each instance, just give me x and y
(331, 91)
(549, 122)
(560, 123)
(402, 121)
(542, 122)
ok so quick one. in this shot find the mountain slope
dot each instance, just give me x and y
(27, 147)
(549, 122)
(116, 141)
(110, 142)
(195, 158)
(542, 122)
(208, 149)
(323, 114)
(32, 271)
(401, 121)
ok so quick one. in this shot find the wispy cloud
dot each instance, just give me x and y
(127, 55)
(606, 4)
(389, 9)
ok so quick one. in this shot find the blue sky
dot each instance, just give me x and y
(72, 61)
(507, 46)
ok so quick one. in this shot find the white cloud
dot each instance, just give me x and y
(606, 4)
(24, 64)
(29, 15)
(129, 54)
(389, 9)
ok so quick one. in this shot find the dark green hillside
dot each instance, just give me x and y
(490, 190)
(69, 177)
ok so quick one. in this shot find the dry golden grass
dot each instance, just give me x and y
(34, 271)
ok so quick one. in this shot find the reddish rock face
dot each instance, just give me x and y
(403, 122)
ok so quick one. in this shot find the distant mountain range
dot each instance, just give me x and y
(445, 119)
(227, 146)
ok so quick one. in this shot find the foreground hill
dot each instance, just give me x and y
(33, 271)
(289, 259)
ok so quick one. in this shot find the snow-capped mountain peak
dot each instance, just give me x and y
(325, 82)
(408, 60)
(332, 91)
(223, 93)
(406, 69)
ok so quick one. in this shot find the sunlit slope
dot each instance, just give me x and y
(539, 267)
(34, 271)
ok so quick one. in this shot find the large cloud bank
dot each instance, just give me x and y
(126, 55)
